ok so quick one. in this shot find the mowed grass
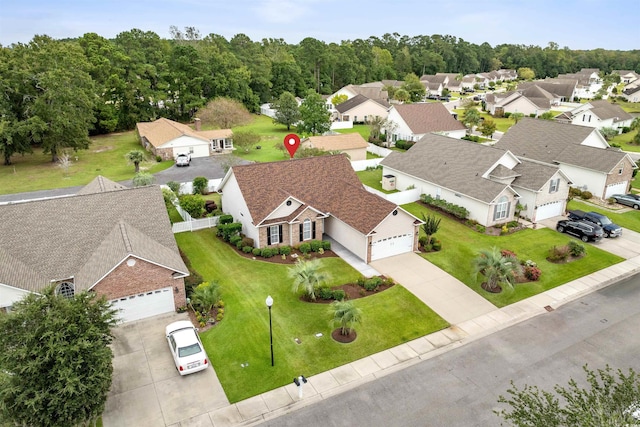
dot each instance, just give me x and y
(629, 219)
(105, 156)
(242, 338)
(461, 246)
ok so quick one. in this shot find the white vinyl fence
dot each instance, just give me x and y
(360, 165)
(190, 224)
(378, 151)
(400, 197)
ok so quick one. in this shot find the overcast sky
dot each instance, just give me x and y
(577, 24)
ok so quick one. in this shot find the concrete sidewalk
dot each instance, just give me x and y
(285, 399)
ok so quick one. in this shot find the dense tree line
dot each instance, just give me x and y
(55, 91)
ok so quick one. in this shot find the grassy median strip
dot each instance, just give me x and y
(461, 245)
(239, 345)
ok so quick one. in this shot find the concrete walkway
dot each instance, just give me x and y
(443, 293)
(367, 270)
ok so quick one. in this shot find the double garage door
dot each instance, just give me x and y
(619, 188)
(549, 210)
(391, 246)
(140, 306)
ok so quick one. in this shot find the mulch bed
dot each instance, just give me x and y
(352, 291)
(277, 259)
(569, 259)
(344, 339)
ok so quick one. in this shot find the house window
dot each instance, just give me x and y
(65, 289)
(620, 170)
(345, 117)
(502, 208)
(306, 229)
(275, 235)
(228, 144)
(553, 185)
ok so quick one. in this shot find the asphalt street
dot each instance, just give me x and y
(461, 387)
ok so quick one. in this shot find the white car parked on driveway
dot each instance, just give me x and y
(186, 347)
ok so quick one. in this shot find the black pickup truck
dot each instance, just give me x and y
(610, 229)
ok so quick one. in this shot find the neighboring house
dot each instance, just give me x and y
(111, 240)
(487, 181)
(293, 201)
(351, 144)
(530, 101)
(632, 93)
(580, 152)
(451, 81)
(561, 89)
(598, 114)
(413, 121)
(588, 82)
(360, 109)
(166, 138)
(627, 76)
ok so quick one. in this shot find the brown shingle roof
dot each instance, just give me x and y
(163, 130)
(343, 141)
(84, 236)
(327, 183)
(428, 117)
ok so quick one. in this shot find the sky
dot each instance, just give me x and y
(576, 24)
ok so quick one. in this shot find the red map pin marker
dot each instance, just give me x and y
(292, 142)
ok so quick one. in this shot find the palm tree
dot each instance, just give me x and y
(497, 268)
(135, 157)
(205, 296)
(431, 226)
(306, 275)
(346, 315)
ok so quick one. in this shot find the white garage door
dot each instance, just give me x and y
(390, 246)
(140, 306)
(549, 210)
(619, 188)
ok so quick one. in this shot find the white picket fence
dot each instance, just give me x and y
(398, 198)
(195, 224)
(378, 151)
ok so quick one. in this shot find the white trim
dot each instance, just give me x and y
(183, 274)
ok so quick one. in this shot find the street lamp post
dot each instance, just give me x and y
(269, 302)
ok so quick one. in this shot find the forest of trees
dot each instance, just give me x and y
(56, 92)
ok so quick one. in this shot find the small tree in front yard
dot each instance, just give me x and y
(497, 268)
(200, 185)
(431, 226)
(346, 315)
(193, 204)
(205, 296)
(307, 275)
(136, 157)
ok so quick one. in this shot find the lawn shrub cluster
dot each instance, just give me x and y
(193, 204)
(576, 192)
(472, 138)
(314, 246)
(430, 245)
(576, 249)
(372, 284)
(229, 230)
(530, 270)
(443, 205)
(404, 145)
(562, 253)
(326, 294)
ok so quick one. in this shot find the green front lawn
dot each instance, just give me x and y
(460, 246)
(372, 178)
(629, 219)
(390, 318)
(105, 156)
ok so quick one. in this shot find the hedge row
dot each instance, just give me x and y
(455, 210)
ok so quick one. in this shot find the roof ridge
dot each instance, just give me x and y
(125, 236)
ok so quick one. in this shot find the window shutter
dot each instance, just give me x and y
(313, 230)
(268, 236)
(280, 233)
(301, 233)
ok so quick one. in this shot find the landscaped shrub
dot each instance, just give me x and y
(315, 245)
(305, 248)
(404, 145)
(326, 245)
(576, 249)
(532, 273)
(361, 281)
(256, 251)
(325, 293)
(575, 192)
(247, 241)
(200, 185)
(174, 186)
(339, 295)
(586, 195)
(247, 249)
(158, 159)
(226, 231)
(455, 210)
(558, 253)
(507, 253)
(506, 115)
(193, 204)
(436, 245)
(268, 252)
(285, 250)
(472, 138)
(234, 240)
(423, 240)
(225, 219)
(372, 283)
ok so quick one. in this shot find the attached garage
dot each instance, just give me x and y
(390, 246)
(549, 210)
(140, 306)
(618, 188)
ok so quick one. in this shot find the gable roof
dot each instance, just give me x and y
(358, 100)
(553, 142)
(451, 163)
(161, 131)
(343, 141)
(100, 184)
(428, 117)
(606, 110)
(327, 183)
(563, 88)
(84, 237)
(534, 175)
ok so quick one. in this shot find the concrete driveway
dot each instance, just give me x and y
(147, 389)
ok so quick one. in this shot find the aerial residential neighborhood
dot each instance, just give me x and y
(400, 224)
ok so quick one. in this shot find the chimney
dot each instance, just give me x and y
(197, 123)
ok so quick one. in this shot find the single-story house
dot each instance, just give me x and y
(293, 201)
(167, 139)
(360, 109)
(626, 76)
(562, 89)
(107, 239)
(351, 144)
(412, 121)
(580, 152)
(598, 114)
(531, 100)
(632, 93)
(487, 181)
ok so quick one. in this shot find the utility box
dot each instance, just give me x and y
(389, 182)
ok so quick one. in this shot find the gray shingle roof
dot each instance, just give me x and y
(451, 163)
(533, 175)
(553, 142)
(606, 110)
(428, 117)
(357, 100)
(84, 236)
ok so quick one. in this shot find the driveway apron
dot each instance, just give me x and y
(443, 293)
(146, 389)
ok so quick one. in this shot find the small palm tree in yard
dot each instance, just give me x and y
(497, 269)
(346, 315)
(205, 296)
(431, 226)
(307, 275)
(136, 157)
